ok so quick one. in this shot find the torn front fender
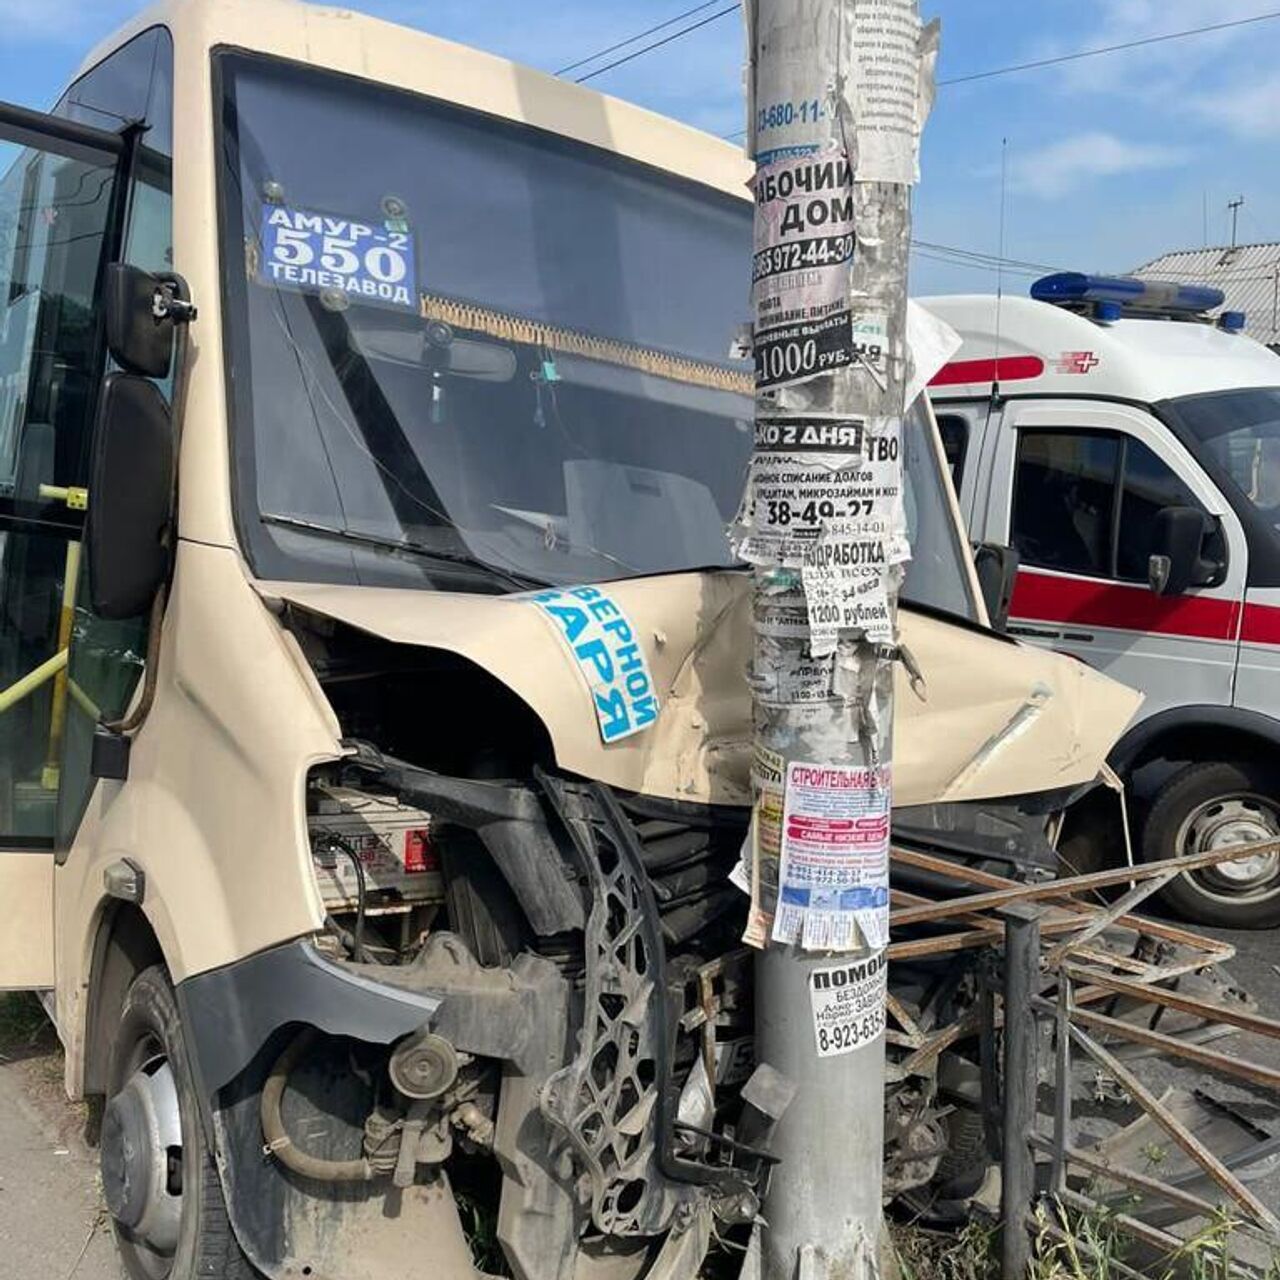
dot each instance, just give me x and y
(997, 718)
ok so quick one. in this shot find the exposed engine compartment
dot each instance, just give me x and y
(587, 1085)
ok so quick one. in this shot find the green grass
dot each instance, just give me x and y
(970, 1254)
(24, 1028)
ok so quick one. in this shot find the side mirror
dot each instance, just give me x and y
(143, 311)
(1186, 551)
(997, 568)
(130, 497)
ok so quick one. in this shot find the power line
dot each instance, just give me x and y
(639, 35)
(1109, 48)
(657, 44)
(1089, 53)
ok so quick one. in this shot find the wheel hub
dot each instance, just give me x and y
(142, 1157)
(1226, 823)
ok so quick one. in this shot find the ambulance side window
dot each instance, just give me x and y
(1063, 500)
(1085, 502)
(954, 431)
(1149, 486)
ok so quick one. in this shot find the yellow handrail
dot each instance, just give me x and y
(29, 683)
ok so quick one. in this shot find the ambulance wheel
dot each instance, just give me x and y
(161, 1188)
(1212, 806)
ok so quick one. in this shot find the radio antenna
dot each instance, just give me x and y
(1004, 200)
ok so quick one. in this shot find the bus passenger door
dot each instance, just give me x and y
(60, 210)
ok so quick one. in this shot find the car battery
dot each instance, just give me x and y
(391, 839)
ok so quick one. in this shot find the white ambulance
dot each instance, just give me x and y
(1126, 446)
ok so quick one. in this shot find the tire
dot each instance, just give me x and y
(1207, 806)
(150, 1091)
(965, 1162)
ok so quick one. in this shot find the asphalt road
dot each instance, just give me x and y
(52, 1225)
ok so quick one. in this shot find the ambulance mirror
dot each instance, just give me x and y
(1185, 551)
(997, 569)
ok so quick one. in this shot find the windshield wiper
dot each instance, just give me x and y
(520, 581)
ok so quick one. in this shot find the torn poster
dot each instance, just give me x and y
(890, 99)
(833, 881)
(767, 772)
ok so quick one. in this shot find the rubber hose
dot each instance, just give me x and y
(278, 1141)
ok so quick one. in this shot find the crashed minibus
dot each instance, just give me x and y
(374, 745)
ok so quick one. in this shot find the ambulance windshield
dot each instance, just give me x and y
(475, 341)
(1239, 431)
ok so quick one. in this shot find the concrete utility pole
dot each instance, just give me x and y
(838, 92)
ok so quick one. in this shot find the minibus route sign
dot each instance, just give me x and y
(322, 253)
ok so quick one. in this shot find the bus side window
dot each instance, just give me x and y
(55, 209)
(107, 657)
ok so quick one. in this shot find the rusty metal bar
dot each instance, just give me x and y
(1094, 880)
(1109, 915)
(1139, 924)
(1140, 1230)
(1129, 1177)
(915, 1036)
(1241, 1018)
(1242, 1068)
(1189, 1143)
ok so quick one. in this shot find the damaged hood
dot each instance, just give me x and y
(996, 719)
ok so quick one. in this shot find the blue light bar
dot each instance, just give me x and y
(1067, 287)
(1232, 321)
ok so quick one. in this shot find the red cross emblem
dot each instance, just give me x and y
(1077, 362)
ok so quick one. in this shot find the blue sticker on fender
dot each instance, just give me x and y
(606, 649)
(312, 252)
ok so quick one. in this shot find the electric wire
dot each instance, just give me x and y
(639, 35)
(1109, 48)
(1081, 54)
(658, 44)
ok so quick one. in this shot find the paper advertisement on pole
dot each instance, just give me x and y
(833, 890)
(768, 771)
(887, 90)
(848, 1004)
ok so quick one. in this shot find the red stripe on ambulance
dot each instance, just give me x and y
(1088, 603)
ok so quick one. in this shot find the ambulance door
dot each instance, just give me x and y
(61, 198)
(1076, 487)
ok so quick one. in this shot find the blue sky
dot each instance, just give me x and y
(1110, 160)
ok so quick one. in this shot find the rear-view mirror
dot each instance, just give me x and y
(997, 569)
(140, 325)
(130, 497)
(1186, 551)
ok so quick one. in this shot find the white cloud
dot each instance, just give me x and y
(1161, 68)
(1060, 167)
(1249, 109)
